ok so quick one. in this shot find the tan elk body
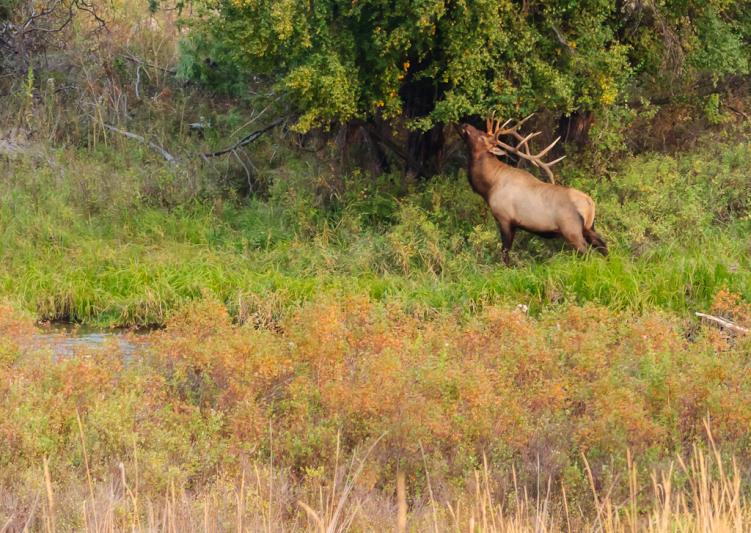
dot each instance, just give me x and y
(519, 200)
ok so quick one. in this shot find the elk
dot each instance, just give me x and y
(517, 199)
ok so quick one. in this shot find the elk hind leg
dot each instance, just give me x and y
(575, 237)
(594, 239)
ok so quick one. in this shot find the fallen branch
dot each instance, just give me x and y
(245, 140)
(164, 153)
(137, 61)
(723, 323)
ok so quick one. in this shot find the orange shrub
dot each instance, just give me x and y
(209, 395)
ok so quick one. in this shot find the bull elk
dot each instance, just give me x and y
(519, 200)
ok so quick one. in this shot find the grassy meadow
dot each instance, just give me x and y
(116, 244)
(322, 348)
(317, 349)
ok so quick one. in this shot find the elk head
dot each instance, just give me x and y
(479, 142)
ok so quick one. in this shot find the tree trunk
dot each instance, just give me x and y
(574, 128)
(424, 148)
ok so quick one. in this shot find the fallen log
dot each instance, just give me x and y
(245, 140)
(723, 323)
(165, 154)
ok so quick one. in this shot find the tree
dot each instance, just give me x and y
(28, 29)
(420, 64)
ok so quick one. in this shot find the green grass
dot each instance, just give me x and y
(92, 240)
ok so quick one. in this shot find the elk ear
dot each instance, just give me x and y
(497, 151)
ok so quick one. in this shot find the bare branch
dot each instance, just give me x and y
(164, 153)
(137, 61)
(245, 140)
(89, 8)
(245, 167)
(723, 323)
(60, 28)
(562, 39)
(43, 13)
(138, 81)
(39, 25)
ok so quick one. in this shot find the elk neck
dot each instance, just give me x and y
(484, 172)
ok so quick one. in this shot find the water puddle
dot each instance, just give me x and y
(65, 340)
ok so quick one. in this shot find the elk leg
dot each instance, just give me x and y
(507, 239)
(575, 237)
(594, 239)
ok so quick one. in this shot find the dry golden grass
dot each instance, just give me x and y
(263, 499)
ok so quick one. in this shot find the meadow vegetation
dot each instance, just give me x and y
(332, 345)
(99, 228)
(581, 417)
(97, 240)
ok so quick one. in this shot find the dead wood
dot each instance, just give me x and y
(723, 323)
(164, 153)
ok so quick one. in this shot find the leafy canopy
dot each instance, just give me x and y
(438, 60)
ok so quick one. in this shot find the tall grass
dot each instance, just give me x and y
(96, 250)
(689, 497)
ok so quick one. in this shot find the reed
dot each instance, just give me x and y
(692, 495)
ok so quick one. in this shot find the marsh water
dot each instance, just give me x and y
(66, 340)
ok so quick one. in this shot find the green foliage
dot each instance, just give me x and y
(723, 51)
(196, 64)
(681, 41)
(6, 8)
(713, 112)
(434, 61)
(338, 61)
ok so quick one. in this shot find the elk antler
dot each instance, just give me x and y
(495, 129)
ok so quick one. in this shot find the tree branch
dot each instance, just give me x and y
(246, 140)
(164, 153)
(561, 39)
(723, 323)
(142, 63)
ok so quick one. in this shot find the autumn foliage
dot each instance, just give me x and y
(206, 397)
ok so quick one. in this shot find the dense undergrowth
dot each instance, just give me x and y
(580, 399)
